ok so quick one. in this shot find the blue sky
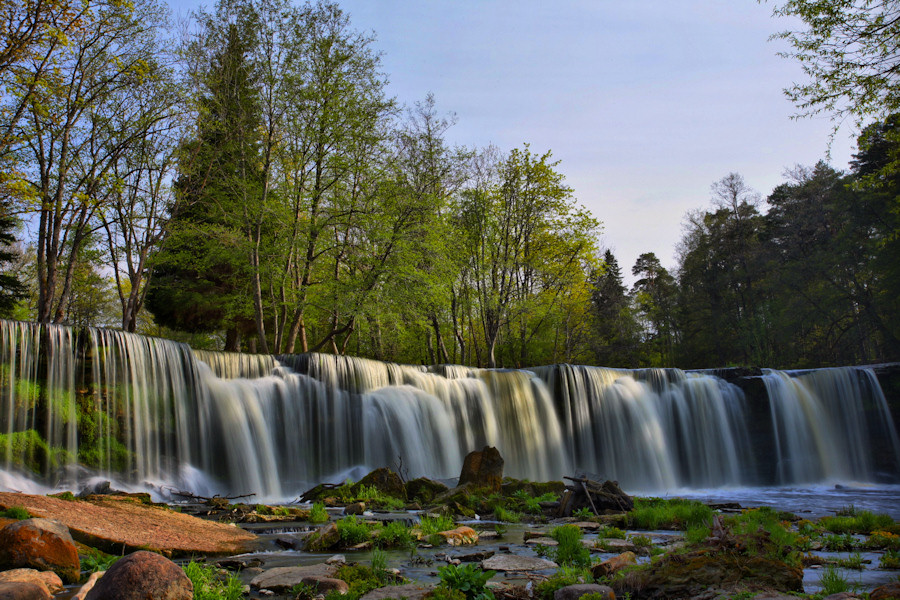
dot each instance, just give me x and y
(645, 103)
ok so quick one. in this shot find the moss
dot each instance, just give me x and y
(424, 490)
(27, 449)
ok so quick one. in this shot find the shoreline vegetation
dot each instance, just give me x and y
(490, 537)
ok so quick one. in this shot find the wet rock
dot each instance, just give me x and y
(40, 544)
(610, 545)
(542, 541)
(885, 592)
(289, 543)
(842, 596)
(23, 591)
(325, 585)
(688, 575)
(460, 536)
(574, 592)
(410, 591)
(356, 508)
(385, 481)
(48, 579)
(238, 564)
(142, 575)
(424, 490)
(611, 565)
(284, 578)
(474, 556)
(482, 469)
(531, 534)
(512, 562)
(337, 559)
(325, 538)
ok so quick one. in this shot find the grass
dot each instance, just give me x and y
(864, 522)
(507, 516)
(890, 559)
(675, 513)
(565, 576)
(468, 579)
(839, 543)
(209, 586)
(854, 561)
(611, 532)
(394, 535)
(15, 512)
(353, 531)
(318, 514)
(431, 525)
(833, 582)
(570, 552)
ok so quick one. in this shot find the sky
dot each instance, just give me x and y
(645, 103)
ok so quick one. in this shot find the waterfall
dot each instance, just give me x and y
(139, 409)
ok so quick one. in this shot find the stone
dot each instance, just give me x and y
(325, 585)
(512, 562)
(611, 565)
(542, 541)
(574, 592)
(325, 538)
(688, 575)
(610, 545)
(842, 596)
(48, 579)
(460, 536)
(482, 469)
(385, 481)
(424, 490)
(410, 591)
(474, 556)
(142, 575)
(238, 564)
(337, 559)
(357, 508)
(284, 578)
(886, 591)
(17, 590)
(40, 544)
(597, 496)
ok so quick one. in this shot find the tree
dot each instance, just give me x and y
(11, 287)
(850, 53)
(615, 329)
(654, 294)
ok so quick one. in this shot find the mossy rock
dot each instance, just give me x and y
(424, 490)
(534, 488)
(385, 481)
(324, 539)
(687, 575)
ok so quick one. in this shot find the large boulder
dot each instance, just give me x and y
(598, 496)
(281, 579)
(326, 537)
(513, 562)
(482, 469)
(17, 590)
(886, 591)
(424, 490)
(574, 592)
(143, 575)
(687, 575)
(385, 481)
(46, 579)
(40, 544)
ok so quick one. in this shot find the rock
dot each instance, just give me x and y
(142, 575)
(410, 591)
(474, 556)
(357, 508)
(482, 469)
(424, 490)
(512, 562)
(284, 578)
(337, 559)
(531, 534)
(574, 592)
(111, 523)
(289, 543)
(610, 545)
(324, 585)
(587, 525)
(688, 575)
(460, 536)
(325, 538)
(611, 565)
(385, 481)
(82, 592)
(842, 596)
(886, 591)
(238, 564)
(40, 544)
(23, 591)
(48, 579)
(543, 541)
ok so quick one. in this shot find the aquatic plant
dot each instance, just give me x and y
(431, 524)
(353, 531)
(208, 585)
(318, 514)
(570, 551)
(468, 579)
(565, 576)
(833, 582)
(394, 535)
(860, 522)
(674, 513)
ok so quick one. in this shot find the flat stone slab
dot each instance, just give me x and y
(410, 591)
(284, 578)
(114, 522)
(610, 545)
(543, 541)
(512, 562)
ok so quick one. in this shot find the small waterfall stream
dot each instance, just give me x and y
(141, 409)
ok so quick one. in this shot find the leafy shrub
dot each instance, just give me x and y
(570, 551)
(97, 561)
(394, 535)
(468, 579)
(15, 512)
(641, 541)
(890, 559)
(318, 514)
(612, 533)
(360, 578)
(444, 593)
(353, 531)
(565, 576)
(435, 524)
(208, 585)
(583, 513)
(839, 543)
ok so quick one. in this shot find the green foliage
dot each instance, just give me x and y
(697, 535)
(532, 504)
(854, 561)
(468, 579)
(608, 531)
(833, 582)
(353, 531)
(394, 535)
(839, 543)
(15, 512)
(570, 551)
(890, 559)
(506, 516)
(864, 522)
(641, 541)
(676, 513)
(583, 513)
(318, 514)
(432, 524)
(209, 586)
(29, 450)
(444, 593)
(565, 576)
(883, 540)
(360, 578)
(98, 562)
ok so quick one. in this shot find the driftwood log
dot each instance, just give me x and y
(601, 497)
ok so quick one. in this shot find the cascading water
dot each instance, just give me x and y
(138, 409)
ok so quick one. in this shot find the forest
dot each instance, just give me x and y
(245, 183)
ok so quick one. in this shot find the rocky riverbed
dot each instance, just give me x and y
(384, 537)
